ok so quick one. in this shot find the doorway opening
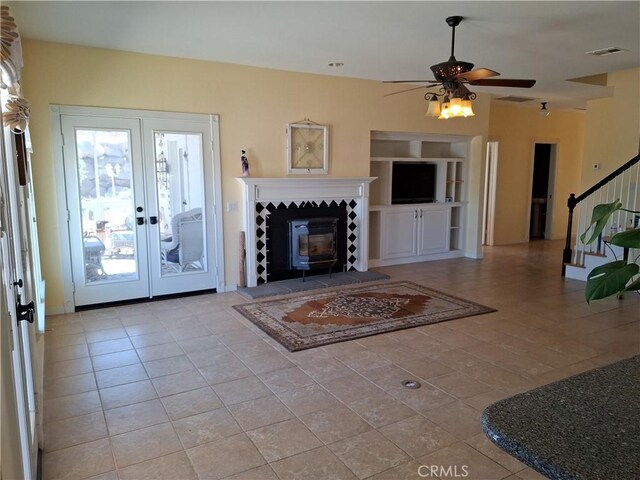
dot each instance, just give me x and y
(490, 184)
(542, 189)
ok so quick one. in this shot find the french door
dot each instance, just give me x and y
(140, 195)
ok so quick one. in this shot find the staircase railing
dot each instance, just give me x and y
(622, 185)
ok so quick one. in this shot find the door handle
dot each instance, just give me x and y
(153, 220)
(25, 312)
(140, 220)
(420, 213)
(415, 214)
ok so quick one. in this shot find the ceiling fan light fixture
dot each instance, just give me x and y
(455, 107)
(467, 108)
(433, 110)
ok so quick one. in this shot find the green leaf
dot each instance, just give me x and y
(633, 286)
(599, 218)
(628, 239)
(609, 279)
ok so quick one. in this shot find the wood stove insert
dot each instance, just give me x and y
(313, 244)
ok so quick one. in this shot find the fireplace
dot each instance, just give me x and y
(313, 243)
(268, 205)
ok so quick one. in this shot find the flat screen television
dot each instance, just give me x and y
(413, 182)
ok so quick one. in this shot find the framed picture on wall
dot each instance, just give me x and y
(307, 148)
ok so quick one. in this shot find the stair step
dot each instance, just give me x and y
(576, 265)
(595, 254)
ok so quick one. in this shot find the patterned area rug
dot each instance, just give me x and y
(336, 315)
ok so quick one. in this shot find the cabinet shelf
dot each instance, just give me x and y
(405, 233)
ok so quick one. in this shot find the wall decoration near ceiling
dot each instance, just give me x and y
(15, 107)
(307, 148)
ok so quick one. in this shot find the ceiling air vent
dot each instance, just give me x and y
(603, 52)
(515, 99)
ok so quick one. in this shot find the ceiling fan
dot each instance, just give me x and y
(453, 76)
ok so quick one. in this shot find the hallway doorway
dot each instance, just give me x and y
(542, 191)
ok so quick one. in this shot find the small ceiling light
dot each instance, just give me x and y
(543, 112)
(336, 64)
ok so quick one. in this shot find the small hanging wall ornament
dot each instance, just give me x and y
(245, 164)
(16, 116)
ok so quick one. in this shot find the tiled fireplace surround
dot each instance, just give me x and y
(263, 195)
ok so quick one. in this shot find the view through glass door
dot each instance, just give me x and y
(137, 199)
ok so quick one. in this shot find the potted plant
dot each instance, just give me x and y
(617, 277)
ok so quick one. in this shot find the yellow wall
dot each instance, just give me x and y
(254, 105)
(517, 129)
(612, 127)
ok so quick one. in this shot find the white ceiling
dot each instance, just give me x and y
(543, 40)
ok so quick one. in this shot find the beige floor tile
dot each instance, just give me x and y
(381, 409)
(308, 399)
(264, 472)
(206, 342)
(238, 336)
(54, 341)
(417, 436)
(456, 418)
(283, 439)
(267, 362)
(121, 375)
(319, 463)
(144, 444)
(225, 457)
(460, 385)
(206, 427)
(242, 390)
(127, 394)
(61, 387)
(78, 462)
(104, 335)
(212, 356)
(178, 383)
(69, 352)
(168, 366)
(482, 401)
(227, 368)
(114, 360)
(351, 388)
(74, 431)
(461, 457)
(190, 403)
(110, 346)
(258, 413)
(157, 352)
(335, 424)
(67, 368)
(71, 406)
(406, 471)
(175, 466)
(135, 416)
(286, 379)
(196, 330)
(329, 369)
(368, 453)
(112, 475)
(529, 474)
(144, 329)
(150, 339)
(481, 443)
(250, 349)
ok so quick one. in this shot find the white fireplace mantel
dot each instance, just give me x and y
(275, 190)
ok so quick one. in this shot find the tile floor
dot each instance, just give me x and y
(188, 389)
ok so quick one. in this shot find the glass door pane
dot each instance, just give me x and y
(180, 194)
(181, 235)
(106, 201)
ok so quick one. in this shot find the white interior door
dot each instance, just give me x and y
(15, 294)
(104, 178)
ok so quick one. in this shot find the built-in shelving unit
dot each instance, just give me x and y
(418, 231)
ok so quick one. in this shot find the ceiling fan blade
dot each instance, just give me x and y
(410, 81)
(503, 82)
(403, 91)
(477, 74)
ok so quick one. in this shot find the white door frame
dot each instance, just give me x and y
(56, 113)
(11, 251)
(490, 186)
(551, 187)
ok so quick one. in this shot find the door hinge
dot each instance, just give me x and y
(73, 287)
(68, 216)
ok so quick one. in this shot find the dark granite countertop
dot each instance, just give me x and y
(586, 427)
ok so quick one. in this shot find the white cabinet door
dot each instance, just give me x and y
(399, 233)
(433, 234)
